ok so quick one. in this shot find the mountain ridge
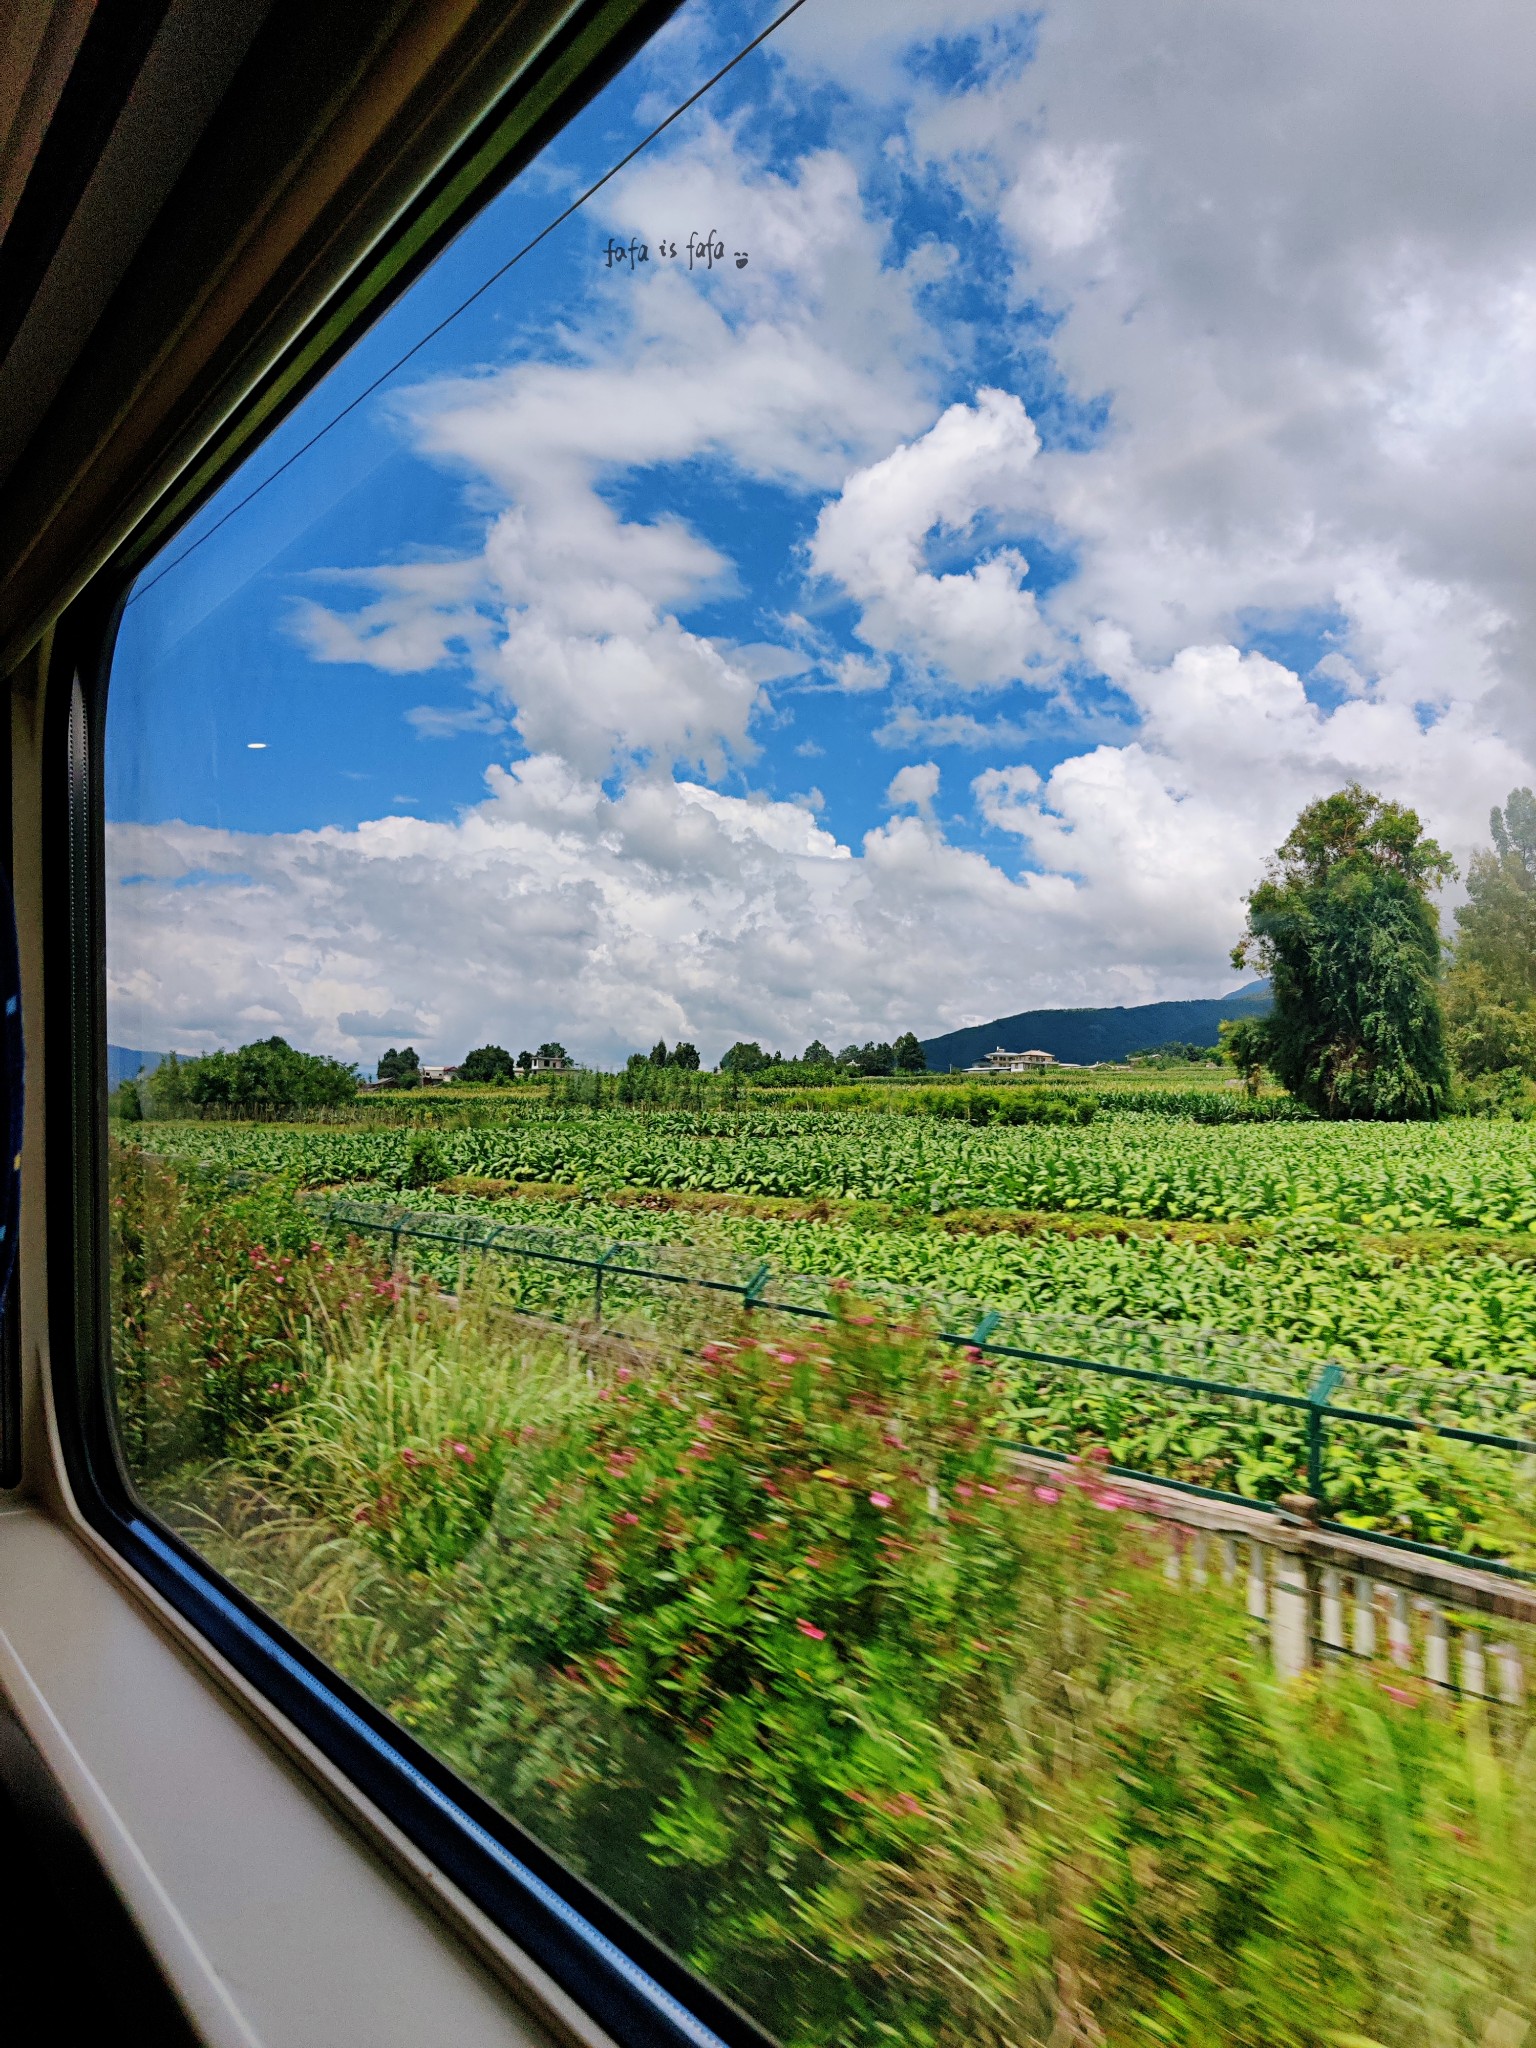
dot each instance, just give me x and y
(1083, 1036)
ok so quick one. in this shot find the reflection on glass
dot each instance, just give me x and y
(866, 598)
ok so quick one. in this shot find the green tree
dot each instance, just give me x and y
(816, 1055)
(394, 1066)
(1244, 1043)
(125, 1102)
(872, 1059)
(268, 1072)
(552, 1049)
(1490, 992)
(167, 1089)
(659, 1053)
(909, 1055)
(1344, 927)
(746, 1056)
(487, 1063)
(685, 1056)
(524, 1062)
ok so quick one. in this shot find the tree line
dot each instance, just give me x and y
(869, 1061)
(492, 1063)
(267, 1074)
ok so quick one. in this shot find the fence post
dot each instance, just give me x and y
(1290, 1627)
(597, 1282)
(1327, 1383)
(752, 1293)
(1258, 1589)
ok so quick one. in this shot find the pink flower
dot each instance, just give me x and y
(631, 1519)
(758, 1535)
(410, 1457)
(1396, 1692)
(464, 1454)
(989, 1489)
(1048, 1493)
(963, 1491)
(809, 1628)
(880, 1500)
(1109, 1500)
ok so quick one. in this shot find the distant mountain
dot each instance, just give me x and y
(123, 1063)
(1083, 1036)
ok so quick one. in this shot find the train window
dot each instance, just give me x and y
(902, 553)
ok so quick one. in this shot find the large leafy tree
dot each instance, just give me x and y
(485, 1063)
(1344, 926)
(909, 1054)
(746, 1056)
(268, 1072)
(1490, 992)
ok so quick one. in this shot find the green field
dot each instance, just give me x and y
(1249, 1253)
(756, 1624)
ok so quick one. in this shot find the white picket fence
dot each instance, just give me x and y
(1372, 1611)
(1321, 1596)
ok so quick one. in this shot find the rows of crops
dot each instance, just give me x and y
(1311, 1291)
(1442, 1331)
(1412, 1485)
(1388, 1177)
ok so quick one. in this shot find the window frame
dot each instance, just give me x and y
(632, 1987)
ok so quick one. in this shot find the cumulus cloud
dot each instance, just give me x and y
(916, 784)
(1307, 302)
(977, 627)
(817, 359)
(672, 909)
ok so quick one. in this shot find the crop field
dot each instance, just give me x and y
(759, 1606)
(1453, 1176)
(756, 1624)
(1246, 1253)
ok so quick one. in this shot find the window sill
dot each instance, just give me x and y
(275, 1924)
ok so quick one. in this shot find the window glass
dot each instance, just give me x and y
(683, 1121)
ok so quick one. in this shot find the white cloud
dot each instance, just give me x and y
(907, 726)
(1290, 253)
(977, 627)
(916, 784)
(1307, 298)
(788, 371)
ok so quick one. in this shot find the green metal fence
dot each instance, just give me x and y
(483, 1234)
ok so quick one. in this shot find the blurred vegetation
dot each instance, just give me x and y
(890, 1741)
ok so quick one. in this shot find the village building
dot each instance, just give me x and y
(1001, 1062)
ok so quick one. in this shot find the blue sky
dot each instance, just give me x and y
(939, 615)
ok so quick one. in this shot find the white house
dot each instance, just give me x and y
(1001, 1062)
